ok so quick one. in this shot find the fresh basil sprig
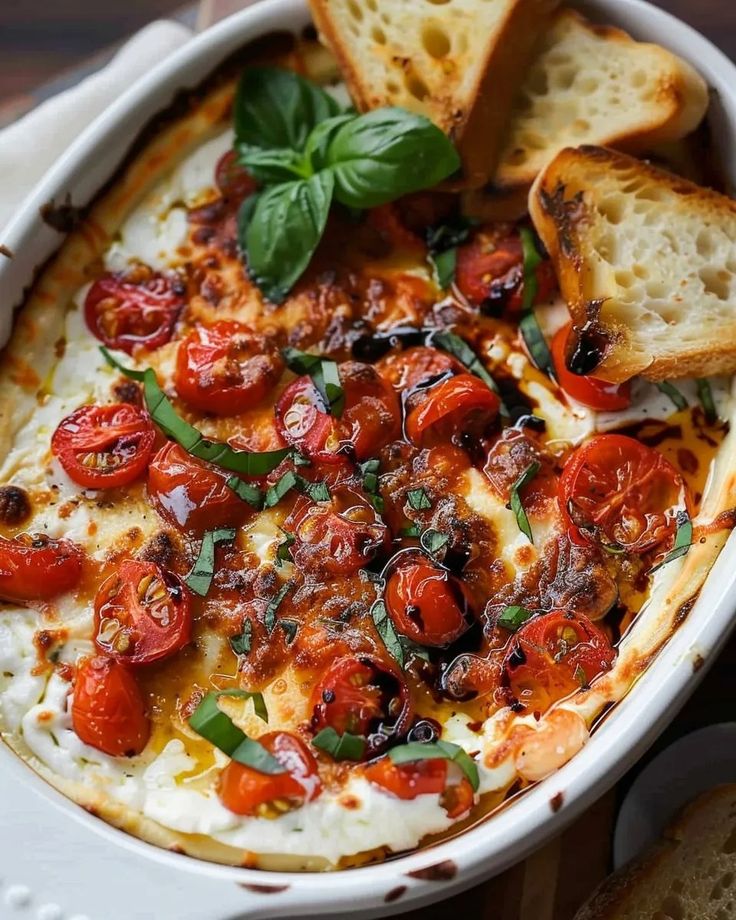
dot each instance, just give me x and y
(200, 578)
(325, 376)
(340, 747)
(432, 750)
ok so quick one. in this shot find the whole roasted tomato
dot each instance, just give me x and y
(459, 405)
(33, 567)
(415, 366)
(427, 604)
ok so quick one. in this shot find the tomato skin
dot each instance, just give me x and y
(595, 394)
(364, 696)
(427, 604)
(370, 419)
(246, 791)
(125, 314)
(622, 491)
(232, 179)
(422, 777)
(554, 654)
(226, 368)
(108, 709)
(449, 406)
(117, 439)
(142, 614)
(415, 366)
(190, 494)
(386, 220)
(33, 567)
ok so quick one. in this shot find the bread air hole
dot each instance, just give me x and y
(372, 5)
(716, 282)
(438, 2)
(355, 10)
(378, 35)
(416, 86)
(436, 41)
(638, 78)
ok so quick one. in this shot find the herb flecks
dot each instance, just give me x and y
(516, 503)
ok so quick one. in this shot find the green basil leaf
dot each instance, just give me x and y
(433, 750)
(340, 747)
(418, 499)
(449, 235)
(279, 489)
(411, 531)
(410, 649)
(290, 628)
(705, 395)
(386, 153)
(513, 617)
(678, 400)
(241, 643)
(385, 629)
(536, 344)
(369, 471)
(325, 376)
(278, 108)
(200, 578)
(247, 492)
(269, 617)
(460, 349)
(532, 261)
(444, 264)
(433, 541)
(283, 232)
(682, 544)
(318, 143)
(269, 167)
(317, 491)
(208, 713)
(516, 504)
(282, 550)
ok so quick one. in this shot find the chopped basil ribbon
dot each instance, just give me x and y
(529, 325)
(325, 376)
(241, 643)
(317, 491)
(247, 492)
(340, 747)
(385, 629)
(442, 242)
(434, 750)
(200, 578)
(460, 349)
(705, 395)
(418, 499)
(164, 415)
(290, 629)
(579, 675)
(411, 531)
(683, 541)
(269, 617)
(212, 724)
(516, 504)
(282, 550)
(444, 264)
(369, 472)
(513, 617)
(678, 400)
(433, 541)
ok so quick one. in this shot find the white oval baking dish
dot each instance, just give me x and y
(429, 874)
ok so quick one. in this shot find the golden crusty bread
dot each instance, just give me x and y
(590, 84)
(459, 62)
(690, 875)
(646, 261)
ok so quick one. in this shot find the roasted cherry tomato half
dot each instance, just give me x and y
(408, 369)
(427, 604)
(142, 614)
(362, 695)
(337, 537)
(103, 447)
(596, 394)
(232, 179)
(490, 272)
(108, 710)
(459, 405)
(423, 777)
(387, 221)
(371, 417)
(191, 494)
(552, 655)
(33, 567)
(125, 313)
(225, 368)
(247, 791)
(622, 492)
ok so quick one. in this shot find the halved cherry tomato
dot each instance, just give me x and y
(191, 494)
(108, 710)
(103, 447)
(415, 366)
(124, 313)
(232, 179)
(462, 404)
(142, 613)
(370, 419)
(623, 492)
(490, 272)
(338, 537)
(422, 777)
(362, 695)
(427, 604)
(33, 567)
(596, 394)
(554, 654)
(225, 368)
(247, 791)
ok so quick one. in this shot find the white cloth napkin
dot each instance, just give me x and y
(31, 145)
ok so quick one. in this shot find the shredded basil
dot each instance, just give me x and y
(460, 349)
(340, 747)
(442, 242)
(418, 499)
(385, 629)
(247, 492)
(529, 325)
(269, 617)
(536, 344)
(516, 504)
(433, 750)
(678, 400)
(683, 541)
(290, 629)
(513, 617)
(444, 264)
(200, 578)
(317, 491)
(325, 376)
(433, 541)
(579, 675)
(241, 643)
(369, 472)
(411, 531)
(532, 261)
(282, 550)
(705, 395)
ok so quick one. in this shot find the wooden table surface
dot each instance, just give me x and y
(37, 40)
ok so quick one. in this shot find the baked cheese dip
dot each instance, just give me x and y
(320, 536)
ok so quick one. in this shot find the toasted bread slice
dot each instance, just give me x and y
(689, 875)
(646, 262)
(591, 84)
(457, 61)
